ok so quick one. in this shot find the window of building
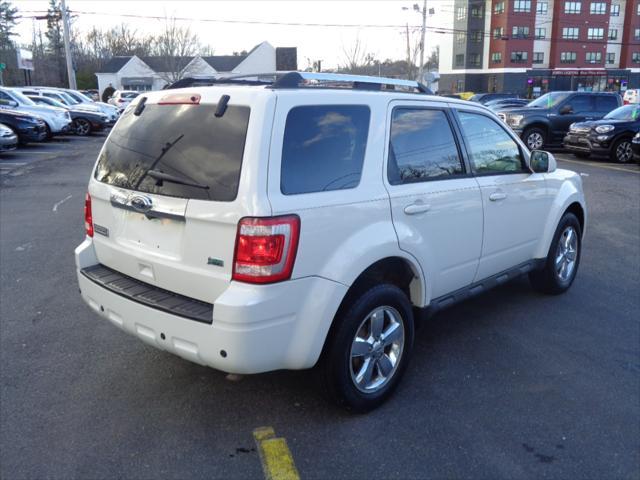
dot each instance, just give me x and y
(498, 32)
(460, 60)
(593, 57)
(520, 32)
(461, 37)
(496, 57)
(572, 7)
(476, 36)
(595, 33)
(474, 59)
(521, 6)
(638, 10)
(613, 34)
(498, 8)
(477, 11)
(570, 33)
(422, 147)
(568, 57)
(615, 10)
(519, 57)
(538, 57)
(542, 8)
(491, 149)
(323, 148)
(461, 13)
(541, 33)
(636, 34)
(635, 57)
(459, 85)
(611, 58)
(598, 8)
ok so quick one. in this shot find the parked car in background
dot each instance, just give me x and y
(198, 245)
(57, 95)
(546, 120)
(57, 120)
(635, 147)
(28, 127)
(503, 103)
(631, 96)
(484, 98)
(611, 136)
(122, 98)
(8, 139)
(83, 121)
(109, 110)
(92, 94)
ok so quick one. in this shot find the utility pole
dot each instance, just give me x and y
(408, 55)
(67, 47)
(424, 29)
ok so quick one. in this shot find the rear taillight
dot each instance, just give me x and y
(88, 217)
(266, 249)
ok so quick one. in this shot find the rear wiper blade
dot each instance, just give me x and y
(158, 175)
(167, 146)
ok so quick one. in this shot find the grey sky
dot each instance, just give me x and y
(324, 43)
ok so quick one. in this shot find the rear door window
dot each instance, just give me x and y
(323, 148)
(581, 103)
(606, 103)
(187, 142)
(422, 147)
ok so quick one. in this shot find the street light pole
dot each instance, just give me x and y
(67, 47)
(424, 29)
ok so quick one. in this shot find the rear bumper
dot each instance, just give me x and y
(255, 328)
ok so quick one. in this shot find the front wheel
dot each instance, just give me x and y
(621, 151)
(561, 265)
(369, 348)
(82, 127)
(535, 138)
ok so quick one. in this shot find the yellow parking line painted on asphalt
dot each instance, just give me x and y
(607, 167)
(277, 462)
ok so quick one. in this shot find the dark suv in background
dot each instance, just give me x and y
(546, 120)
(611, 135)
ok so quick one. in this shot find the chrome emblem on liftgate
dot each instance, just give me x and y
(141, 203)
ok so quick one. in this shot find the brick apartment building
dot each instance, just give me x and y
(534, 46)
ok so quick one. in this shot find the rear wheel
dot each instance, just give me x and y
(535, 138)
(369, 349)
(49, 132)
(621, 151)
(82, 127)
(563, 259)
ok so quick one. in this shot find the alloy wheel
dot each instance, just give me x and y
(623, 152)
(376, 349)
(83, 127)
(534, 141)
(567, 254)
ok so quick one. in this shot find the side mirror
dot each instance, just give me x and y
(566, 109)
(8, 103)
(542, 162)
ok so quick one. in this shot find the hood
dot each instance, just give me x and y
(20, 114)
(42, 110)
(603, 121)
(86, 107)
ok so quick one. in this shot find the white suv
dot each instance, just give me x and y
(260, 227)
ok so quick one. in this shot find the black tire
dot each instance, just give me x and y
(582, 154)
(532, 136)
(82, 127)
(548, 280)
(621, 151)
(49, 132)
(337, 363)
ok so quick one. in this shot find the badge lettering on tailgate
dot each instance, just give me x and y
(104, 231)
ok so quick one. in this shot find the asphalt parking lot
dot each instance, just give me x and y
(512, 384)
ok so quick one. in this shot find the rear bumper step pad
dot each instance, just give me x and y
(149, 295)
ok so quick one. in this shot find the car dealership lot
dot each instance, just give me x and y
(512, 384)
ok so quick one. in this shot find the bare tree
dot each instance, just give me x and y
(175, 46)
(354, 56)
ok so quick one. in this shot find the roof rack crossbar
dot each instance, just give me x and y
(360, 82)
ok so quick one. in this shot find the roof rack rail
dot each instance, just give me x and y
(209, 81)
(338, 80)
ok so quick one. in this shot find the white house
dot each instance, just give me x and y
(146, 73)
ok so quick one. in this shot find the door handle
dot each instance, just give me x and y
(496, 196)
(416, 208)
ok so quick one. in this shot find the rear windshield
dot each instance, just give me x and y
(186, 142)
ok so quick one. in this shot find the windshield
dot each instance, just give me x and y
(48, 101)
(129, 94)
(70, 100)
(628, 112)
(20, 98)
(184, 141)
(80, 97)
(549, 100)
